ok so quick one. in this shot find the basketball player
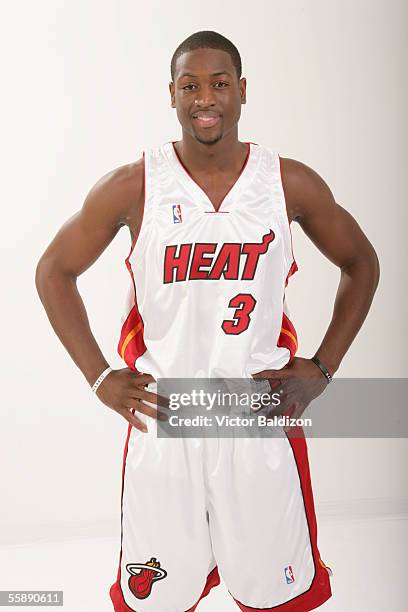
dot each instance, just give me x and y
(211, 255)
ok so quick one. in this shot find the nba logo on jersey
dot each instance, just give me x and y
(177, 213)
(289, 575)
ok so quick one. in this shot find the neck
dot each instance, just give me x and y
(224, 156)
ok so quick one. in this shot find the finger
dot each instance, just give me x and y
(275, 383)
(278, 386)
(277, 409)
(283, 373)
(281, 394)
(275, 398)
(287, 407)
(273, 411)
(143, 379)
(289, 397)
(134, 420)
(151, 398)
(149, 411)
(148, 396)
(299, 410)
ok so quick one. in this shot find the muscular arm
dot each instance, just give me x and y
(339, 237)
(115, 200)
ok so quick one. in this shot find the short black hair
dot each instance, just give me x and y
(207, 39)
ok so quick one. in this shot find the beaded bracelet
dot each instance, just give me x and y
(100, 379)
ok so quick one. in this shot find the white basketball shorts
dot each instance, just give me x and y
(197, 508)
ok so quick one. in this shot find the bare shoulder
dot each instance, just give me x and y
(116, 199)
(305, 190)
(119, 194)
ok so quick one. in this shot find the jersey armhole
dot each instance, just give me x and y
(291, 261)
(132, 247)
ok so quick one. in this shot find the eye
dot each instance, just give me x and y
(188, 87)
(221, 83)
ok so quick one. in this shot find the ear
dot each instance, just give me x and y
(242, 89)
(172, 95)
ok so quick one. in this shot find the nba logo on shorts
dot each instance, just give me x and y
(289, 575)
(177, 213)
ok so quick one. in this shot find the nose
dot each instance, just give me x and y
(205, 97)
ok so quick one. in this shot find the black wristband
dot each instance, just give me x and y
(323, 369)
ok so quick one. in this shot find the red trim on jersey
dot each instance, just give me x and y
(213, 580)
(320, 589)
(294, 267)
(115, 592)
(242, 169)
(143, 210)
(131, 343)
(288, 337)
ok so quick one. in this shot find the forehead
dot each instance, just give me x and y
(203, 62)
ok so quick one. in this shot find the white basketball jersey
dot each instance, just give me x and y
(208, 287)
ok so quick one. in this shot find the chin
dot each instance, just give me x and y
(209, 140)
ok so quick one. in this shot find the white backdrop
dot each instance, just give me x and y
(84, 90)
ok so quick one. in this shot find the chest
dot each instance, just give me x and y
(215, 188)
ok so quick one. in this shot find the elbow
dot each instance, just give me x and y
(38, 274)
(364, 266)
(372, 266)
(47, 274)
(377, 269)
(41, 274)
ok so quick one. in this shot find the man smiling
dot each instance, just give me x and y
(211, 255)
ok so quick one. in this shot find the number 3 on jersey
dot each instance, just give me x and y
(244, 303)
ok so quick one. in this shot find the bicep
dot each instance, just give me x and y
(331, 228)
(80, 240)
(336, 233)
(85, 235)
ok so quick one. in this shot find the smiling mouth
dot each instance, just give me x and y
(206, 121)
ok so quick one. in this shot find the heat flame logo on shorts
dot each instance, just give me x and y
(143, 575)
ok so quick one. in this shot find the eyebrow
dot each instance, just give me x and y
(189, 74)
